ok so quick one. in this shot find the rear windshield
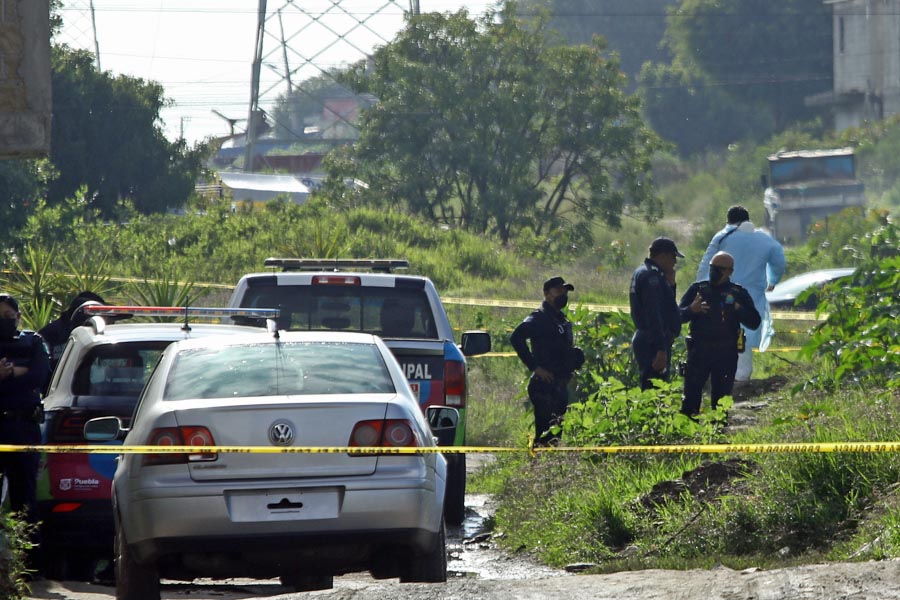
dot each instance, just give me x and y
(276, 369)
(387, 312)
(119, 369)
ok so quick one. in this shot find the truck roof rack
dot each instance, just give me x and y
(378, 265)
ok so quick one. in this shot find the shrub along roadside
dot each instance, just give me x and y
(761, 509)
(14, 543)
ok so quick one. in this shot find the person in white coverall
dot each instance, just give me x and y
(758, 265)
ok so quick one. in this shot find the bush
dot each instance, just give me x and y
(14, 544)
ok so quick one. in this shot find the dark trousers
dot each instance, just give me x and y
(20, 468)
(550, 401)
(644, 353)
(716, 362)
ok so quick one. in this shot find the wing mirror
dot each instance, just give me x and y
(443, 421)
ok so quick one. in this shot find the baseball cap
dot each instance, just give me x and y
(557, 282)
(664, 245)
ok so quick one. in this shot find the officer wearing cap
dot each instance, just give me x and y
(654, 311)
(552, 357)
(24, 369)
(716, 308)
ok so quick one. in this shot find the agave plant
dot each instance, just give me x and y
(32, 281)
(163, 290)
(92, 275)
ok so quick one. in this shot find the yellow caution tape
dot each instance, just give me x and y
(609, 308)
(860, 447)
(603, 308)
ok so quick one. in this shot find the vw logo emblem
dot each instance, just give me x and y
(281, 433)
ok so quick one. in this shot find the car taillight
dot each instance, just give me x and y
(66, 507)
(68, 426)
(385, 433)
(180, 436)
(455, 383)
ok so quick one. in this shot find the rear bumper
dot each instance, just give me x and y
(268, 555)
(185, 522)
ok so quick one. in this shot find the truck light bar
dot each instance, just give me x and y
(180, 311)
(385, 265)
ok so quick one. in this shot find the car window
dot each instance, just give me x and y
(275, 369)
(119, 369)
(388, 312)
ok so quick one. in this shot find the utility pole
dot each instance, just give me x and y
(255, 114)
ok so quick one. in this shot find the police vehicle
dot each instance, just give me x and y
(404, 310)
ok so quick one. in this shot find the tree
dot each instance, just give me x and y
(632, 28)
(107, 136)
(751, 57)
(489, 125)
(695, 113)
(22, 183)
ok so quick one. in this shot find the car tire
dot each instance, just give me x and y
(307, 583)
(455, 497)
(134, 581)
(430, 567)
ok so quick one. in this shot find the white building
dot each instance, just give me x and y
(866, 62)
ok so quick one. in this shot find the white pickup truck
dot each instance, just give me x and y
(404, 310)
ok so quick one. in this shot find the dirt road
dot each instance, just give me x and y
(856, 581)
(478, 570)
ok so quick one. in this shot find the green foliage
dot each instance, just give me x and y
(15, 542)
(218, 246)
(632, 29)
(509, 131)
(163, 290)
(33, 282)
(708, 117)
(741, 70)
(841, 239)
(616, 415)
(859, 341)
(107, 136)
(22, 182)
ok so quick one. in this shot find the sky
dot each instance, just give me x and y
(201, 51)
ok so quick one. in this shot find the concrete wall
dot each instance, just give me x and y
(25, 99)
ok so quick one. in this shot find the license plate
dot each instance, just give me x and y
(290, 504)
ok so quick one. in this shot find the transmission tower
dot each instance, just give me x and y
(81, 27)
(298, 39)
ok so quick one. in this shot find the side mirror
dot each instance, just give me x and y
(443, 421)
(104, 429)
(475, 343)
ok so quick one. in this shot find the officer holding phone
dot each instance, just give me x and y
(715, 308)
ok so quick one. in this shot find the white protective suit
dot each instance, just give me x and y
(758, 263)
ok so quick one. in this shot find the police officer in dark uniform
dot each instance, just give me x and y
(552, 357)
(716, 309)
(24, 369)
(56, 333)
(654, 311)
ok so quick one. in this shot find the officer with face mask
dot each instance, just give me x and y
(716, 309)
(24, 369)
(552, 358)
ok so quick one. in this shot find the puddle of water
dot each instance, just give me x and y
(472, 556)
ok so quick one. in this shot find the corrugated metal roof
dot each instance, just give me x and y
(263, 186)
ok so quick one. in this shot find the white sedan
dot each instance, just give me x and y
(304, 517)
